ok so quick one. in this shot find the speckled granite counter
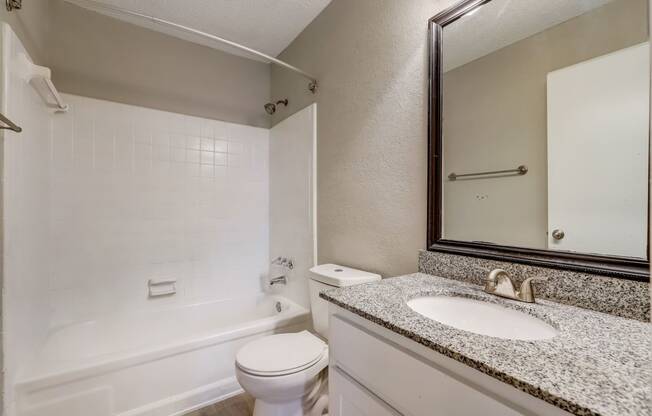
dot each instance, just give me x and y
(599, 364)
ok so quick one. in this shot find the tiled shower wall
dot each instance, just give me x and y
(139, 194)
(292, 199)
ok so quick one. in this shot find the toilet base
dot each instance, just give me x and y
(294, 408)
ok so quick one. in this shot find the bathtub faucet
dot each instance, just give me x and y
(286, 264)
(283, 262)
(281, 279)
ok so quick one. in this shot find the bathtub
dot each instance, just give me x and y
(161, 363)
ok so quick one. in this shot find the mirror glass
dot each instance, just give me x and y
(545, 131)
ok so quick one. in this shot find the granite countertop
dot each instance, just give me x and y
(598, 364)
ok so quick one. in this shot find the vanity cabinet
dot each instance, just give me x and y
(374, 371)
(348, 398)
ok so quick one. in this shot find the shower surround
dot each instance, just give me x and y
(108, 196)
(101, 199)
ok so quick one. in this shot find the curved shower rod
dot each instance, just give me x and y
(93, 5)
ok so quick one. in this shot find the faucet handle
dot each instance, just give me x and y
(526, 293)
(492, 278)
(283, 262)
(499, 283)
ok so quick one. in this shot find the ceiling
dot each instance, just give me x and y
(268, 26)
(500, 23)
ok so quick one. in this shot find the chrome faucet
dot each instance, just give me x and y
(286, 264)
(500, 284)
(278, 280)
(283, 262)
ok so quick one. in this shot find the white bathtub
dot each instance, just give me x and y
(160, 363)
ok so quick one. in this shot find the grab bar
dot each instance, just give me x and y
(521, 170)
(9, 124)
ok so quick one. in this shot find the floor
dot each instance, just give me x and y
(241, 405)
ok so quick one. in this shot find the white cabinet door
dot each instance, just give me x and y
(347, 398)
(405, 382)
(598, 127)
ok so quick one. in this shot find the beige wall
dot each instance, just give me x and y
(504, 93)
(101, 57)
(371, 60)
(32, 25)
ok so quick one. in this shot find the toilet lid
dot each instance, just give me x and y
(281, 354)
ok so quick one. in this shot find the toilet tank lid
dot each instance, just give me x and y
(340, 276)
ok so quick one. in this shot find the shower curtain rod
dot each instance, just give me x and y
(312, 86)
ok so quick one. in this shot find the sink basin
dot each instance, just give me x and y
(482, 318)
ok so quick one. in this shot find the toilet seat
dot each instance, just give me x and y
(281, 354)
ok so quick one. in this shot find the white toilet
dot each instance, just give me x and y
(285, 372)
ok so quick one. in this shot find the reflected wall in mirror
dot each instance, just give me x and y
(540, 128)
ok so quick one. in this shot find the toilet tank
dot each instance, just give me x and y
(329, 276)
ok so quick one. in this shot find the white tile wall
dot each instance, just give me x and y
(139, 194)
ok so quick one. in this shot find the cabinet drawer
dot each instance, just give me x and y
(348, 398)
(406, 382)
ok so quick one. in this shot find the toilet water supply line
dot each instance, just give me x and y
(96, 6)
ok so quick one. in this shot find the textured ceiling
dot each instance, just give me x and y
(502, 22)
(265, 25)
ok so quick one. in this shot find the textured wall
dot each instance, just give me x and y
(100, 57)
(32, 25)
(97, 56)
(371, 60)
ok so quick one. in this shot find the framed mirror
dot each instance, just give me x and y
(539, 123)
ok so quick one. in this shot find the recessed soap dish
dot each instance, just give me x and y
(161, 287)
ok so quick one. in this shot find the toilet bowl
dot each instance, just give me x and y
(287, 373)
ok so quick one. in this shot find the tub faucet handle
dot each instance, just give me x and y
(283, 262)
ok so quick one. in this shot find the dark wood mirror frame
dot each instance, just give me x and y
(622, 267)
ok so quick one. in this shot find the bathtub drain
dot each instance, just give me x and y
(279, 307)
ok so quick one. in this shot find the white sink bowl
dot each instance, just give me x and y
(482, 318)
